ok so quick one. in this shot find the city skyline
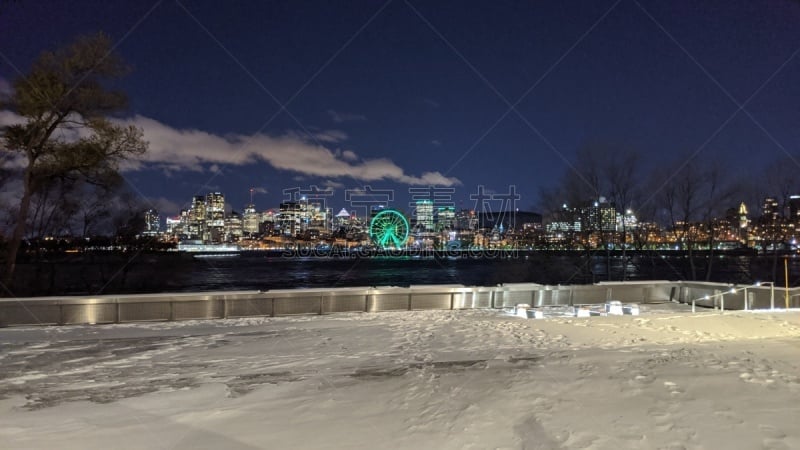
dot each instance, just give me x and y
(769, 205)
(303, 223)
(396, 94)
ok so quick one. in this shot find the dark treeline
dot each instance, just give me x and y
(684, 201)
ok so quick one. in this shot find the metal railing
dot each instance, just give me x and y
(221, 305)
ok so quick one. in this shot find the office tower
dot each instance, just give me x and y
(599, 216)
(289, 218)
(743, 223)
(152, 222)
(234, 227)
(215, 209)
(250, 220)
(215, 218)
(794, 208)
(771, 209)
(174, 225)
(445, 217)
(424, 215)
(196, 219)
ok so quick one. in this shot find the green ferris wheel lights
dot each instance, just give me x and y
(389, 229)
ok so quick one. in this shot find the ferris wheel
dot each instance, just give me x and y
(389, 228)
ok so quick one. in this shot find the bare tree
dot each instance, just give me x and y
(680, 194)
(719, 192)
(64, 91)
(780, 180)
(693, 196)
(622, 170)
(92, 211)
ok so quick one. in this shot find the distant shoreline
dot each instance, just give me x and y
(488, 253)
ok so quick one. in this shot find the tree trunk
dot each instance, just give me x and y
(19, 228)
(710, 257)
(691, 262)
(624, 250)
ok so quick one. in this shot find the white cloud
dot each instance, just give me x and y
(10, 118)
(339, 117)
(330, 184)
(260, 190)
(172, 150)
(13, 161)
(436, 143)
(191, 149)
(347, 155)
(329, 136)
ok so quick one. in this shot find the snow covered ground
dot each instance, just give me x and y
(426, 379)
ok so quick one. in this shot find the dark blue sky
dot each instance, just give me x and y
(421, 83)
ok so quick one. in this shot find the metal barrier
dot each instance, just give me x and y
(219, 305)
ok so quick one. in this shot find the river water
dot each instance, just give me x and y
(160, 272)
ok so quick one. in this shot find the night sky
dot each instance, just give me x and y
(408, 94)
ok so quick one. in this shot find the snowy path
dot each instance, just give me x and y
(426, 379)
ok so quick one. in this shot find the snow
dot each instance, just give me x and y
(422, 379)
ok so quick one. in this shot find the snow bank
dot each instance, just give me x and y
(421, 379)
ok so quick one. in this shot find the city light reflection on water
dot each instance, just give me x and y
(284, 273)
(256, 271)
(264, 273)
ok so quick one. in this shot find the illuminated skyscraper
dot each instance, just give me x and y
(317, 217)
(424, 215)
(743, 222)
(268, 222)
(215, 218)
(599, 216)
(215, 208)
(445, 217)
(152, 222)
(174, 225)
(233, 227)
(250, 220)
(196, 219)
(794, 208)
(466, 220)
(198, 210)
(771, 209)
(290, 217)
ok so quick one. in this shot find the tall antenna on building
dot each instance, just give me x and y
(252, 191)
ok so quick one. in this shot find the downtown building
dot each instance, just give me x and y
(152, 223)
(205, 222)
(250, 221)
